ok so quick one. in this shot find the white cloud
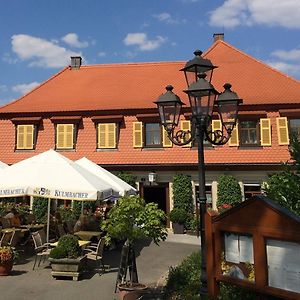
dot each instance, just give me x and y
(3, 88)
(288, 68)
(141, 40)
(72, 40)
(290, 55)
(234, 13)
(41, 52)
(167, 18)
(24, 88)
(101, 54)
(287, 61)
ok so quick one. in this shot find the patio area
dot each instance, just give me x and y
(152, 262)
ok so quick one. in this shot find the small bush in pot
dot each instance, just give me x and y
(178, 217)
(67, 247)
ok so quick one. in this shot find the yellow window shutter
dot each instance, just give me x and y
(265, 132)
(60, 137)
(234, 138)
(216, 125)
(69, 136)
(166, 141)
(137, 134)
(101, 135)
(29, 136)
(111, 135)
(65, 136)
(282, 131)
(20, 136)
(186, 125)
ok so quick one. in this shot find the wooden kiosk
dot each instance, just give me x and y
(255, 245)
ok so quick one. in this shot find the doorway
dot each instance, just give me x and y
(158, 193)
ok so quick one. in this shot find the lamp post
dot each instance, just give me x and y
(205, 103)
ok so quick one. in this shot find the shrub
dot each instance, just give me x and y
(178, 215)
(67, 247)
(39, 209)
(182, 192)
(232, 292)
(128, 178)
(229, 191)
(184, 280)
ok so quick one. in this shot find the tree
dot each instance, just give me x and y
(229, 191)
(130, 219)
(284, 187)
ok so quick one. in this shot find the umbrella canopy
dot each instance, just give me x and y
(3, 165)
(52, 175)
(117, 184)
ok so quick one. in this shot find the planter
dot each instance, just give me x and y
(178, 228)
(131, 291)
(67, 267)
(6, 267)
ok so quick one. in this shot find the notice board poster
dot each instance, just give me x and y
(283, 260)
(238, 248)
(238, 259)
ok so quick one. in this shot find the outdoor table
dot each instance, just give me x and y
(82, 244)
(12, 229)
(87, 235)
(33, 227)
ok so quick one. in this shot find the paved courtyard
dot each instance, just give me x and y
(152, 263)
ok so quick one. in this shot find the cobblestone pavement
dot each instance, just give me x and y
(153, 263)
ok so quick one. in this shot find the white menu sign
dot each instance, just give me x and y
(283, 265)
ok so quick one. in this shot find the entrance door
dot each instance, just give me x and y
(158, 194)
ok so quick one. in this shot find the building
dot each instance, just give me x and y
(106, 113)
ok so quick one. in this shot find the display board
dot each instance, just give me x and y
(283, 259)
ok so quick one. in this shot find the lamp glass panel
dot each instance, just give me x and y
(228, 113)
(202, 106)
(169, 113)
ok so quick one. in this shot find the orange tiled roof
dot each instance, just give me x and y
(137, 85)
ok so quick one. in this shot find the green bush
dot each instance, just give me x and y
(68, 247)
(178, 215)
(67, 214)
(58, 253)
(40, 209)
(184, 280)
(229, 191)
(183, 193)
(232, 292)
(128, 178)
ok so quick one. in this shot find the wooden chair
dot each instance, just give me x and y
(95, 252)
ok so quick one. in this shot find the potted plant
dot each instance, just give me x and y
(65, 259)
(7, 257)
(130, 219)
(178, 217)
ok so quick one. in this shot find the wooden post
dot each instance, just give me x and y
(212, 286)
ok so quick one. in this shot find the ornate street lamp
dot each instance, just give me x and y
(205, 102)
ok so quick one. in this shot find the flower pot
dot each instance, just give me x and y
(131, 291)
(67, 267)
(6, 267)
(178, 228)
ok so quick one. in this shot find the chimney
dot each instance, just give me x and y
(218, 36)
(76, 62)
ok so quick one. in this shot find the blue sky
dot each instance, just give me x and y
(37, 38)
